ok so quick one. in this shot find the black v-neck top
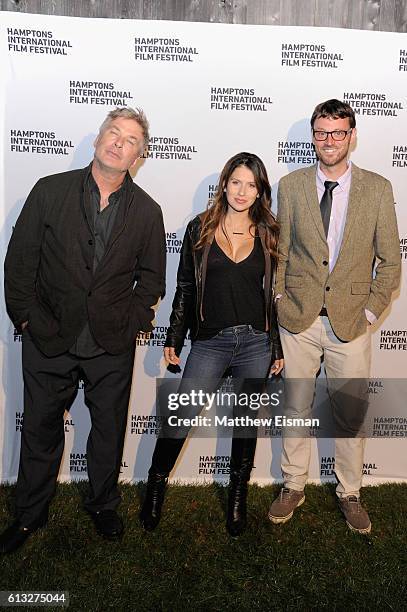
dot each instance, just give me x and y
(233, 291)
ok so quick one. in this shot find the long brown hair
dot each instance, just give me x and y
(259, 212)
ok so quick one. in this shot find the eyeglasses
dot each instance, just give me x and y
(336, 134)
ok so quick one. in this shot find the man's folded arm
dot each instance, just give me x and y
(283, 217)
(150, 275)
(387, 251)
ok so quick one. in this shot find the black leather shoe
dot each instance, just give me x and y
(150, 513)
(14, 536)
(237, 506)
(108, 524)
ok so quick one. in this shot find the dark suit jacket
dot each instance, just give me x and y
(303, 277)
(49, 277)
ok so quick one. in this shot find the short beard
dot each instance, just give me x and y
(336, 161)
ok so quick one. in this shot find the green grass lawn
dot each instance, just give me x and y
(313, 562)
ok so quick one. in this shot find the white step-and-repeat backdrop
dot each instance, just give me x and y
(209, 91)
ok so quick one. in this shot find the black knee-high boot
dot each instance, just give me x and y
(165, 455)
(241, 463)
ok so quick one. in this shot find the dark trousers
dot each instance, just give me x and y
(50, 385)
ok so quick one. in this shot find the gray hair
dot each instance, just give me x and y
(128, 113)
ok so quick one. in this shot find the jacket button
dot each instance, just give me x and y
(88, 267)
(89, 293)
(325, 263)
(327, 288)
(90, 242)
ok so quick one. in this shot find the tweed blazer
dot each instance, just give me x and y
(368, 266)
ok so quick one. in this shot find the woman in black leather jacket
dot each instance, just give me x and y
(224, 297)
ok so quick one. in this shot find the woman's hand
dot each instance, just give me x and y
(170, 356)
(277, 367)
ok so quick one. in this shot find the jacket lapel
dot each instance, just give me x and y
(205, 254)
(121, 215)
(311, 196)
(353, 204)
(267, 272)
(85, 203)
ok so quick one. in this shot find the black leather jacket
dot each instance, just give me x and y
(187, 304)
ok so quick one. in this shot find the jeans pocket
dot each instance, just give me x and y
(218, 335)
(257, 332)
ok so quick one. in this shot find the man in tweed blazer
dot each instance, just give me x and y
(336, 221)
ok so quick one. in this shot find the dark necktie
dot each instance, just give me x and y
(326, 204)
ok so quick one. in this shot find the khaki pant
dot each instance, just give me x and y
(302, 354)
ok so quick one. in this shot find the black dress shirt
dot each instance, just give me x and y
(102, 222)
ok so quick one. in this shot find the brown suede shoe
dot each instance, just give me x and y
(282, 508)
(356, 516)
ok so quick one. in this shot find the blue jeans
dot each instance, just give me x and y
(247, 352)
(241, 350)
(244, 350)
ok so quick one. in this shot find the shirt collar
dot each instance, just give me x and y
(113, 196)
(343, 181)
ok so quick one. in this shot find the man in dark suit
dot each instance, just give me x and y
(84, 267)
(336, 220)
